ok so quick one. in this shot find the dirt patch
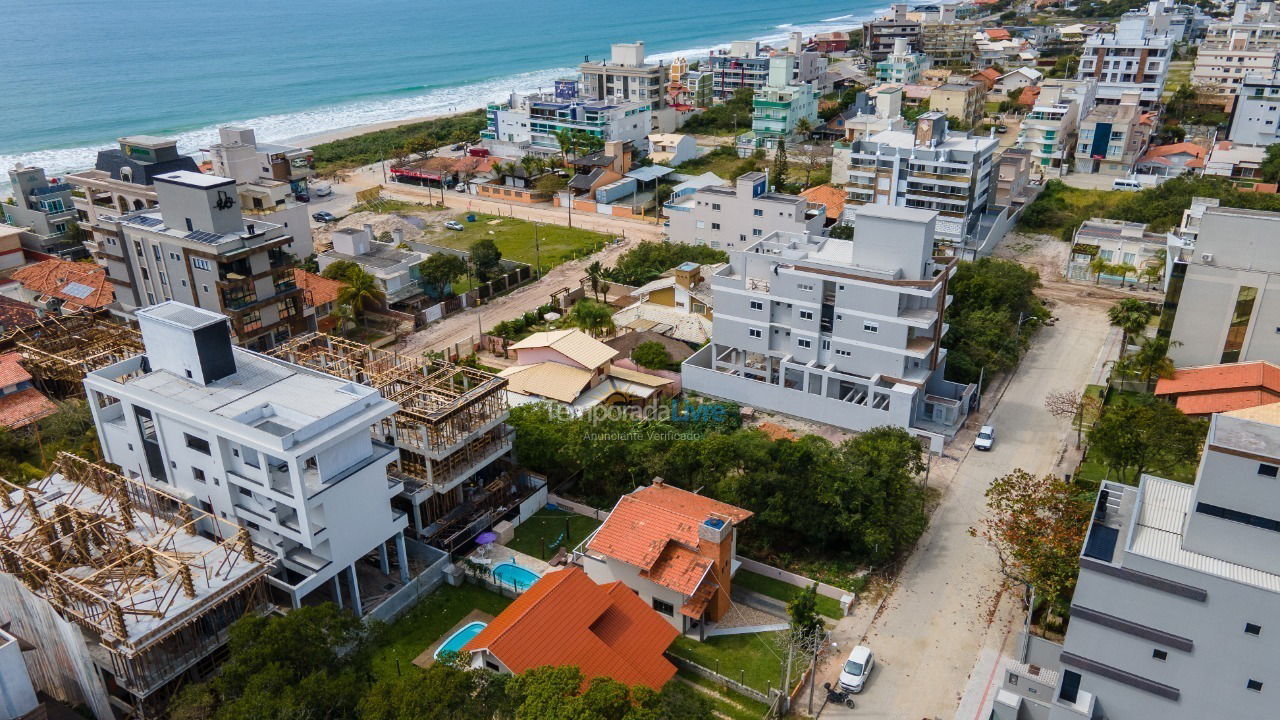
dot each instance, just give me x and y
(1048, 255)
(413, 225)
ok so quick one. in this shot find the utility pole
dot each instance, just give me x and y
(537, 251)
(813, 669)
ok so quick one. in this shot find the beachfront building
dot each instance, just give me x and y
(673, 549)
(395, 269)
(1178, 583)
(1113, 137)
(843, 332)
(746, 65)
(731, 217)
(1048, 131)
(930, 169)
(1219, 307)
(1134, 57)
(1256, 120)
(44, 210)
(902, 66)
(961, 99)
(949, 43)
(283, 451)
(880, 35)
(529, 124)
(626, 77)
(882, 112)
(777, 109)
(272, 181)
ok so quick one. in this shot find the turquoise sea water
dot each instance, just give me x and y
(80, 73)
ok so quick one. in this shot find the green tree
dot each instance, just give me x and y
(802, 610)
(1131, 315)
(360, 290)
(442, 692)
(485, 259)
(1139, 437)
(1098, 266)
(841, 231)
(648, 260)
(780, 164)
(652, 355)
(1149, 362)
(342, 270)
(596, 279)
(439, 270)
(804, 127)
(592, 317)
(1271, 164)
(550, 184)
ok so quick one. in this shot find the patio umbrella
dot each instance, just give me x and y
(487, 537)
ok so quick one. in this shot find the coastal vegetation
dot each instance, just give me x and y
(731, 117)
(648, 260)
(398, 141)
(992, 318)
(724, 163)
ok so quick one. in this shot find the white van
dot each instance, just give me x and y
(1126, 184)
(322, 189)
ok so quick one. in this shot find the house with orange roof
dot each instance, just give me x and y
(675, 549)
(20, 402)
(1208, 389)
(829, 196)
(566, 618)
(64, 286)
(1171, 160)
(319, 295)
(986, 77)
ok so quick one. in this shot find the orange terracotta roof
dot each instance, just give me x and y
(1226, 401)
(1029, 95)
(998, 34)
(24, 407)
(56, 278)
(11, 370)
(696, 605)
(16, 314)
(776, 431)
(1222, 388)
(316, 290)
(679, 568)
(1160, 153)
(567, 619)
(829, 195)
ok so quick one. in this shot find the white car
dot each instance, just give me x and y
(986, 438)
(856, 670)
(322, 189)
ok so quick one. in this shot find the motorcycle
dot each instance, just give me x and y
(839, 697)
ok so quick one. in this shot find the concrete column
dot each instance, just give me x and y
(294, 599)
(383, 560)
(337, 591)
(356, 607)
(403, 556)
(417, 516)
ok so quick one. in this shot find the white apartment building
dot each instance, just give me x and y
(1112, 138)
(281, 450)
(746, 65)
(1256, 120)
(527, 124)
(843, 332)
(886, 115)
(270, 179)
(1174, 610)
(198, 248)
(930, 169)
(1049, 130)
(44, 210)
(1134, 57)
(731, 218)
(626, 77)
(1222, 67)
(903, 66)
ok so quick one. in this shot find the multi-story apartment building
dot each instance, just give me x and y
(885, 104)
(1256, 119)
(1134, 57)
(1049, 130)
(731, 218)
(778, 107)
(271, 181)
(745, 65)
(282, 451)
(1113, 137)
(44, 210)
(1222, 67)
(624, 77)
(930, 169)
(527, 124)
(844, 332)
(198, 248)
(961, 99)
(880, 35)
(1220, 306)
(1171, 615)
(902, 66)
(949, 44)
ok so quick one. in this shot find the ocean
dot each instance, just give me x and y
(81, 73)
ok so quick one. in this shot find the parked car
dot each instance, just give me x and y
(856, 670)
(324, 216)
(454, 225)
(986, 438)
(302, 197)
(322, 189)
(459, 146)
(1002, 129)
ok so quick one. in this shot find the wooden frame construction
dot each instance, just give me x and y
(60, 350)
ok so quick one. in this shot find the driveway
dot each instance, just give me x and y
(941, 617)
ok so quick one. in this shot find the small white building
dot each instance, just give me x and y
(1021, 78)
(1257, 116)
(396, 269)
(727, 217)
(672, 148)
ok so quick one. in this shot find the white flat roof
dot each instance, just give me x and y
(181, 315)
(186, 177)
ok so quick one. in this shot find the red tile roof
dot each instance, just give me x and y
(1029, 95)
(567, 619)
(828, 195)
(316, 290)
(1222, 388)
(11, 370)
(1160, 153)
(54, 278)
(24, 407)
(998, 34)
(16, 314)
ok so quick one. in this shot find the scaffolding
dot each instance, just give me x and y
(155, 581)
(60, 350)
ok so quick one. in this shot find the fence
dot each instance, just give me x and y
(578, 508)
(425, 582)
(723, 680)
(483, 576)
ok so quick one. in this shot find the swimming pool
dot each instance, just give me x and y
(509, 574)
(459, 639)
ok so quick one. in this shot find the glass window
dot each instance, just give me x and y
(1240, 317)
(804, 343)
(664, 607)
(754, 332)
(197, 444)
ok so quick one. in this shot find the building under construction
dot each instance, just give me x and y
(60, 350)
(450, 429)
(118, 591)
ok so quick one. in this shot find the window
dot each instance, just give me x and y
(164, 280)
(758, 212)
(197, 444)
(1239, 326)
(1160, 655)
(245, 492)
(1254, 685)
(668, 609)
(756, 232)
(715, 206)
(806, 314)
(757, 305)
(201, 264)
(701, 224)
(871, 327)
(715, 226)
(826, 344)
(1253, 629)
(843, 353)
(198, 474)
(155, 250)
(804, 286)
(174, 256)
(755, 333)
(1267, 470)
(190, 227)
(804, 343)
(206, 507)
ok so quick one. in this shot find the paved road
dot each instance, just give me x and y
(939, 618)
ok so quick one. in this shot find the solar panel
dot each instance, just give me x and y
(147, 221)
(77, 290)
(203, 236)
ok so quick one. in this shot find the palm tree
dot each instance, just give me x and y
(595, 275)
(1097, 266)
(1131, 315)
(1125, 269)
(344, 314)
(361, 288)
(567, 142)
(593, 317)
(1149, 362)
(804, 128)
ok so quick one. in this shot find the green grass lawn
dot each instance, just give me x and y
(722, 163)
(1179, 73)
(726, 702)
(783, 591)
(1093, 470)
(514, 238)
(424, 623)
(754, 657)
(546, 526)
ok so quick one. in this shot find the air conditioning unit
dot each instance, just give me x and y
(1206, 257)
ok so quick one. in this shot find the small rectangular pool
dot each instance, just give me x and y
(511, 575)
(459, 639)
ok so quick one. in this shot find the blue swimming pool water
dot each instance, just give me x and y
(512, 575)
(460, 638)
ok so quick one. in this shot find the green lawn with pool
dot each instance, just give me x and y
(547, 530)
(397, 644)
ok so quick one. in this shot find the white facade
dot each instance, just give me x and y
(270, 178)
(17, 695)
(283, 451)
(396, 270)
(1049, 130)
(731, 218)
(1257, 116)
(527, 124)
(1134, 57)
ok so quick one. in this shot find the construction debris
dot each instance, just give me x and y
(60, 350)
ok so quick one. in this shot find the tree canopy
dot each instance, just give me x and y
(1145, 435)
(648, 260)
(652, 355)
(439, 270)
(342, 270)
(486, 258)
(993, 298)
